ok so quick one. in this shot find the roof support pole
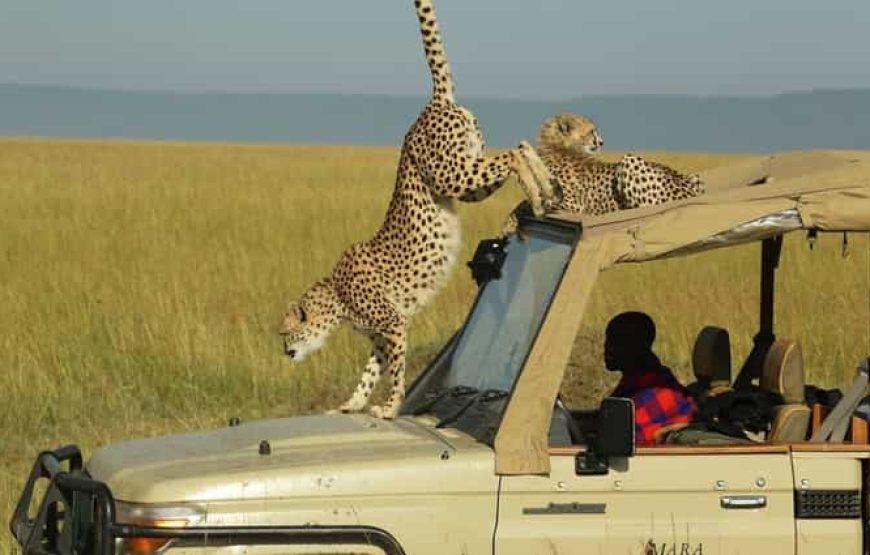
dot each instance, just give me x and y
(771, 249)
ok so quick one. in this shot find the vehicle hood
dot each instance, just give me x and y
(311, 455)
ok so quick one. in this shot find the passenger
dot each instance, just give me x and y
(661, 403)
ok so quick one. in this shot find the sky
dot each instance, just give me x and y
(537, 50)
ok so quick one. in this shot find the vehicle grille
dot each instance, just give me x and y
(829, 504)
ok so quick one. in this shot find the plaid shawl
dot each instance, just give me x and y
(659, 401)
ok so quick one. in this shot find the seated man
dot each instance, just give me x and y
(660, 401)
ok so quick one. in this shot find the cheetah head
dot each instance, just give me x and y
(572, 132)
(310, 320)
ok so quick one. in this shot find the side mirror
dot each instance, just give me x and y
(615, 428)
(613, 437)
(488, 260)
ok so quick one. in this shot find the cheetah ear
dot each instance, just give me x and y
(565, 126)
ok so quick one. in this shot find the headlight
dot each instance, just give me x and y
(153, 516)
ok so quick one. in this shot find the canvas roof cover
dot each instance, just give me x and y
(824, 190)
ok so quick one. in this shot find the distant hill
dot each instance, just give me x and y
(819, 119)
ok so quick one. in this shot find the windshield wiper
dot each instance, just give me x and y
(434, 398)
(484, 396)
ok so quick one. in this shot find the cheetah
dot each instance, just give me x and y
(379, 284)
(567, 144)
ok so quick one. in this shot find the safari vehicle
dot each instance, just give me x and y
(484, 459)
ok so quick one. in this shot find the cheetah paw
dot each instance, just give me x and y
(539, 170)
(386, 412)
(528, 181)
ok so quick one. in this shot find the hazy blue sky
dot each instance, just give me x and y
(512, 48)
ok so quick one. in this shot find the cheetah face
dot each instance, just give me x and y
(592, 143)
(309, 321)
(573, 132)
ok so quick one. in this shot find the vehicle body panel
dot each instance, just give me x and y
(829, 471)
(307, 455)
(652, 504)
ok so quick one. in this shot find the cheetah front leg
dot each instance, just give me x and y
(396, 344)
(369, 379)
(535, 180)
(474, 179)
(531, 171)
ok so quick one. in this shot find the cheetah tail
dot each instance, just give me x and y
(442, 79)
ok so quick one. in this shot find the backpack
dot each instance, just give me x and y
(734, 413)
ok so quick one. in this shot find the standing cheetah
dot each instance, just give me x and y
(567, 143)
(379, 284)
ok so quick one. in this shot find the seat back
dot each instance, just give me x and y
(711, 362)
(790, 424)
(783, 373)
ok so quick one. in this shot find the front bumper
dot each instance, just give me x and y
(76, 516)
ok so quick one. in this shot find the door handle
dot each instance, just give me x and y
(567, 509)
(743, 501)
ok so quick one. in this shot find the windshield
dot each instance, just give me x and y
(482, 362)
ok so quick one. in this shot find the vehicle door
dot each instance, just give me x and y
(667, 500)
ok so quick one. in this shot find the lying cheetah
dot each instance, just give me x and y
(567, 143)
(378, 285)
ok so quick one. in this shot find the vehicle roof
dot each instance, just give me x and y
(823, 190)
(827, 190)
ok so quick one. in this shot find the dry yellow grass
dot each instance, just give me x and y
(141, 285)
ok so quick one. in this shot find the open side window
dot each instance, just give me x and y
(730, 292)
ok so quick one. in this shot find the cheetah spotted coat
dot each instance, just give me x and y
(591, 186)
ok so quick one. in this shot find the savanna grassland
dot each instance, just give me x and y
(141, 285)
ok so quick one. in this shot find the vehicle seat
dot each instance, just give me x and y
(783, 373)
(564, 430)
(711, 362)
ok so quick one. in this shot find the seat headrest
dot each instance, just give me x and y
(711, 357)
(783, 371)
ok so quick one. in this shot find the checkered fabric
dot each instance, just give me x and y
(659, 401)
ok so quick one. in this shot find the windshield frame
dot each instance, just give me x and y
(566, 233)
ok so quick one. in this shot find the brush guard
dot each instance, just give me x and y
(76, 516)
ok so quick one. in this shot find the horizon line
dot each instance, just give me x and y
(216, 92)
